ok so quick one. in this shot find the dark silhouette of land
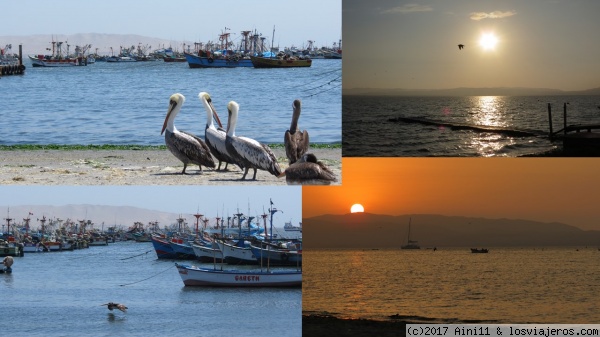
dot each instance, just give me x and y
(364, 230)
(499, 91)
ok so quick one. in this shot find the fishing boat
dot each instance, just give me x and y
(284, 61)
(410, 244)
(238, 253)
(274, 255)
(479, 251)
(162, 247)
(196, 276)
(291, 228)
(60, 58)
(182, 248)
(208, 252)
(216, 60)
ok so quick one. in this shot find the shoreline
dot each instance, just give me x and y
(324, 325)
(115, 165)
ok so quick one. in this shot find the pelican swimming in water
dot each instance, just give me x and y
(296, 142)
(185, 146)
(247, 152)
(215, 137)
(112, 306)
(308, 170)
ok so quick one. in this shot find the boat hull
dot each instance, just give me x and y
(194, 276)
(262, 62)
(163, 248)
(209, 62)
(237, 255)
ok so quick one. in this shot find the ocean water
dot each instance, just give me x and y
(367, 131)
(60, 294)
(507, 285)
(126, 103)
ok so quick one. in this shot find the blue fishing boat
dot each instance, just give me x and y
(162, 247)
(223, 59)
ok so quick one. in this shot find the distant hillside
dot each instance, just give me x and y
(364, 230)
(37, 44)
(109, 215)
(468, 92)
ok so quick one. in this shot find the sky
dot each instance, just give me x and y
(565, 190)
(189, 20)
(209, 200)
(413, 44)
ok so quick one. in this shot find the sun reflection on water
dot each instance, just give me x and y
(488, 111)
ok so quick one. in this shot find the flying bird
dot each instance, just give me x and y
(215, 137)
(295, 141)
(247, 152)
(112, 306)
(461, 46)
(188, 148)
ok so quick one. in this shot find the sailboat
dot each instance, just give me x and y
(411, 244)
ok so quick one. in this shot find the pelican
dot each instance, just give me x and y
(307, 170)
(112, 306)
(215, 138)
(183, 145)
(461, 46)
(296, 142)
(247, 152)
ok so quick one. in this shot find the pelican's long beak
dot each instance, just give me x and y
(215, 115)
(172, 105)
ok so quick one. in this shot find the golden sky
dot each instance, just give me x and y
(563, 190)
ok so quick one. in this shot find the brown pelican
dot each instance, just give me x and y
(215, 137)
(296, 142)
(461, 46)
(112, 306)
(183, 145)
(307, 170)
(247, 152)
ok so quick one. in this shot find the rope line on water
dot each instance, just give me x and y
(126, 284)
(131, 257)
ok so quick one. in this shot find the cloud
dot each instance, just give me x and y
(408, 8)
(493, 15)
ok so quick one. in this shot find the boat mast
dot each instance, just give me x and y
(409, 220)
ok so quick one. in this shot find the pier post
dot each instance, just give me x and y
(550, 118)
(20, 54)
(565, 117)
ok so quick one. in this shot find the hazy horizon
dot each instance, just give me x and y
(535, 44)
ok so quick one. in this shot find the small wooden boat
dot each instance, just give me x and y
(162, 247)
(196, 276)
(278, 62)
(477, 250)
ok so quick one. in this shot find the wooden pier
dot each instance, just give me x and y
(577, 139)
(8, 66)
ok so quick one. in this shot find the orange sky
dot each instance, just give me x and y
(563, 190)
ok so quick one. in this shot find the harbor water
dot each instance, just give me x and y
(368, 131)
(506, 285)
(61, 294)
(126, 103)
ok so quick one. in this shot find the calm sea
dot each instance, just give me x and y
(367, 131)
(507, 285)
(126, 103)
(60, 294)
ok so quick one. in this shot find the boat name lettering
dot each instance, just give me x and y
(184, 272)
(247, 278)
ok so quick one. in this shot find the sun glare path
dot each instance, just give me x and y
(357, 208)
(488, 41)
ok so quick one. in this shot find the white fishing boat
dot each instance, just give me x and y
(196, 276)
(239, 253)
(207, 253)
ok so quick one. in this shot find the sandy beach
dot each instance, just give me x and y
(132, 167)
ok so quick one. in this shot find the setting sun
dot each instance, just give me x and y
(488, 41)
(357, 208)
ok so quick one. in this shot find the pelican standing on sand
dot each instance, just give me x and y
(247, 152)
(215, 137)
(296, 142)
(185, 146)
(112, 306)
(307, 170)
